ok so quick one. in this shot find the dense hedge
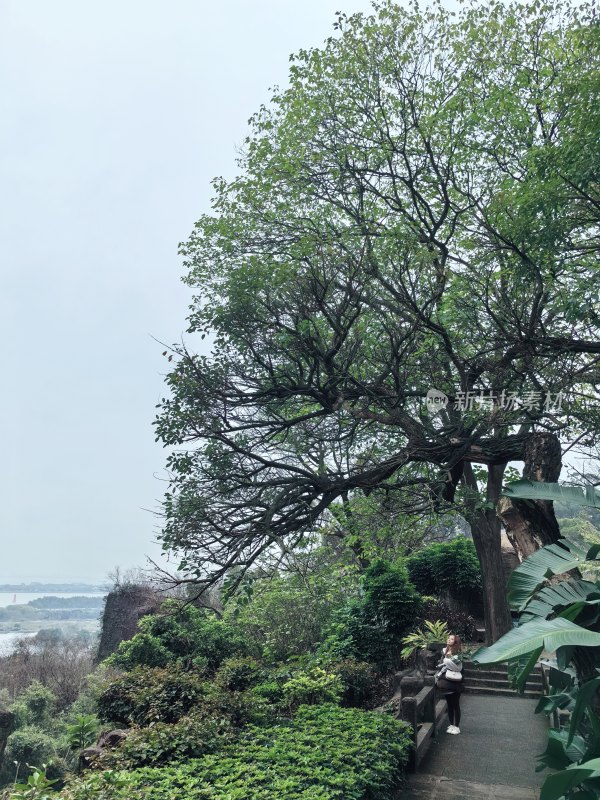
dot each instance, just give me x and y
(373, 625)
(446, 567)
(324, 753)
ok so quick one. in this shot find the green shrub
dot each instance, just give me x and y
(325, 753)
(390, 599)
(312, 687)
(143, 649)
(192, 736)
(36, 705)
(237, 674)
(147, 695)
(359, 681)
(451, 567)
(240, 708)
(430, 633)
(286, 617)
(271, 691)
(183, 635)
(458, 622)
(30, 745)
(370, 628)
(39, 786)
(82, 732)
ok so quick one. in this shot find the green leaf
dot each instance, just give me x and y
(593, 750)
(550, 702)
(584, 698)
(573, 595)
(554, 756)
(521, 678)
(556, 786)
(538, 490)
(549, 634)
(551, 560)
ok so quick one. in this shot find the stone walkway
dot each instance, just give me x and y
(492, 759)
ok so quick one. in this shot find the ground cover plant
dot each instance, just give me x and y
(325, 752)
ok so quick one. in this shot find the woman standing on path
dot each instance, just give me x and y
(449, 680)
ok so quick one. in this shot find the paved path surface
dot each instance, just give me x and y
(492, 759)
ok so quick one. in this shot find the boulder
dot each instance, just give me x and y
(123, 610)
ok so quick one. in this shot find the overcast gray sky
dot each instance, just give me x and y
(116, 115)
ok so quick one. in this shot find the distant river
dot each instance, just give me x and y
(7, 640)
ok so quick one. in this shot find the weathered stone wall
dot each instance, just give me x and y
(123, 610)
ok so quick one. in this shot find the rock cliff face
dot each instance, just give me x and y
(7, 726)
(124, 608)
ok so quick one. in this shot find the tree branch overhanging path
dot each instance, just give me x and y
(418, 210)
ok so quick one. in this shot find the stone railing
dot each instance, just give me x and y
(421, 709)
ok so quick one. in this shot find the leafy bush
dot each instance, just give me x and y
(237, 674)
(240, 708)
(36, 705)
(458, 622)
(141, 650)
(82, 732)
(325, 753)
(286, 617)
(182, 635)
(390, 598)
(192, 736)
(312, 687)
(147, 695)
(270, 691)
(451, 567)
(359, 681)
(30, 745)
(370, 628)
(37, 787)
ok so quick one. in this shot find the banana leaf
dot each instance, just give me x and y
(545, 562)
(593, 742)
(555, 755)
(551, 634)
(574, 594)
(537, 490)
(556, 786)
(564, 655)
(524, 669)
(560, 678)
(549, 703)
(583, 700)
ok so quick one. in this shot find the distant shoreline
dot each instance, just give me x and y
(38, 588)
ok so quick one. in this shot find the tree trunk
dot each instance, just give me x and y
(485, 529)
(532, 524)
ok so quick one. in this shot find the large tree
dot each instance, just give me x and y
(418, 210)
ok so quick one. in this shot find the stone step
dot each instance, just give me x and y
(500, 692)
(499, 683)
(469, 667)
(480, 675)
